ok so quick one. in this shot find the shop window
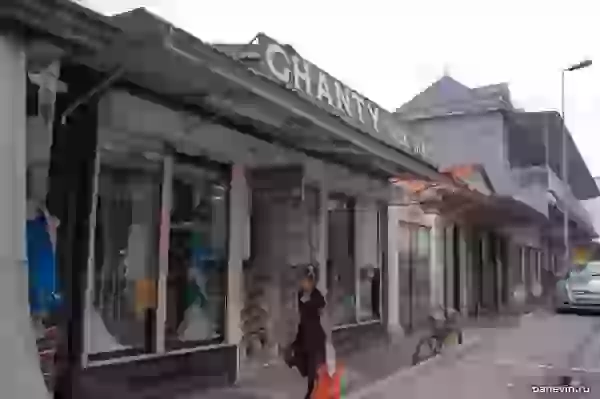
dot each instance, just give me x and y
(341, 271)
(198, 256)
(122, 315)
(369, 249)
(142, 232)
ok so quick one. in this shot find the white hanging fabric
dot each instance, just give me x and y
(102, 340)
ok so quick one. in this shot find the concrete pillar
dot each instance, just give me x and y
(393, 286)
(323, 232)
(238, 224)
(449, 265)
(20, 376)
(464, 269)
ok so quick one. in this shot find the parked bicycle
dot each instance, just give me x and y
(445, 331)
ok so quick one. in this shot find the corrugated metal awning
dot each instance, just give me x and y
(465, 199)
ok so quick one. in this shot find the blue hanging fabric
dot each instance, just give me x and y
(43, 280)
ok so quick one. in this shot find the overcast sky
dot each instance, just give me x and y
(390, 50)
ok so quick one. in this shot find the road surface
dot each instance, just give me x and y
(543, 354)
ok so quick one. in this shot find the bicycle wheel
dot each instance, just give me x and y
(427, 348)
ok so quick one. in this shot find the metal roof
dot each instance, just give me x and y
(170, 65)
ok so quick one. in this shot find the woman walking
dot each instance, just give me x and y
(309, 345)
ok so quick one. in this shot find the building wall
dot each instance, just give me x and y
(470, 139)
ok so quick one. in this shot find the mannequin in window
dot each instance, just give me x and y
(198, 323)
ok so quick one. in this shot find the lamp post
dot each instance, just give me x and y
(565, 160)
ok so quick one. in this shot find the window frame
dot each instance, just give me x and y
(168, 159)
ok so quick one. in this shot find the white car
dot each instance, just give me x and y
(579, 289)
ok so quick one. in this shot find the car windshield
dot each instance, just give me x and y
(593, 268)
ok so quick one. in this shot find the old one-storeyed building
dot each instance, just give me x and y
(192, 182)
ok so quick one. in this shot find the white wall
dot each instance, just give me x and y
(20, 376)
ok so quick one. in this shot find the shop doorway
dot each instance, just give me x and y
(456, 256)
(283, 240)
(477, 275)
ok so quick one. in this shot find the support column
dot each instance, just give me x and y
(393, 283)
(449, 266)
(238, 231)
(323, 233)
(464, 268)
(21, 376)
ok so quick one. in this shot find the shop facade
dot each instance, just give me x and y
(184, 214)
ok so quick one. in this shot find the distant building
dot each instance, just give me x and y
(593, 207)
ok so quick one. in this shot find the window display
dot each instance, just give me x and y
(123, 312)
(196, 288)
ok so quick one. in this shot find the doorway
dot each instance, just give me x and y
(341, 270)
(457, 269)
(477, 274)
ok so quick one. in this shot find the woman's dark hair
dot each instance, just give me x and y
(310, 272)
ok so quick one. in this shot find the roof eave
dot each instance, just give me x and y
(60, 20)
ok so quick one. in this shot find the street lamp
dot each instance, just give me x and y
(564, 160)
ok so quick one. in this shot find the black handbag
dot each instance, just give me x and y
(293, 358)
(288, 356)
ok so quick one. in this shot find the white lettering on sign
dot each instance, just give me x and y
(301, 74)
(323, 89)
(283, 75)
(374, 112)
(360, 102)
(342, 94)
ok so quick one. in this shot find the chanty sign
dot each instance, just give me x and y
(284, 64)
(288, 67)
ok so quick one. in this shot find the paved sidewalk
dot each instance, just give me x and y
(539, 352)
(364, 368)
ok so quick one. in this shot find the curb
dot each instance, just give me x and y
(370, 390)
